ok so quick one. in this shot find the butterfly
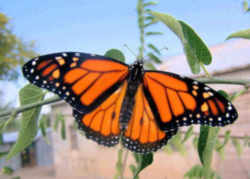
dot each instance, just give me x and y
(113, 101)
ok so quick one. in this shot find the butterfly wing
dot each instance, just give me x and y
(180, 101)
(83, 80)
(102, 124)
(143, 134)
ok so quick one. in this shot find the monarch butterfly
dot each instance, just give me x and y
(112, 100)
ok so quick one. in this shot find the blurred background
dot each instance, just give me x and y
(30, 28)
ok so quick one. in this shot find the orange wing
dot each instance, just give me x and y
(102, 124)
(143, 134)
(83, 80)
(179, 101)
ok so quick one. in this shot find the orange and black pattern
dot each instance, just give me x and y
(83, 80)
(180, 101)
(143, 134)
(113, 101)
(102, 124)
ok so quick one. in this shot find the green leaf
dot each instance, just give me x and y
(63, 129)
(224, 94)
(194, 172)
(119, 164)
(3, 154)
(237, 146)
(2, 125)
(58, 119)
(171, 22)
(195, 142)
(150, 3)
(6, 170)
(194, 48)
(245, 34)
(246, 141)
(154, 58)
(176, 142)
(154, 48)
(151, 22)
(245, 6)
(188, 134)
(226, 139)
(168, 149)
(16, 177)
(153, 33)
(149, 18)
(143, 160)
(206, 144)
(28, 130)
(133, 170)
(237, 94)
(115, 54)
(43, 125)
(195, 43)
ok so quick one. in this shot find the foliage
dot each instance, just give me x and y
(13, 50)
(115, 54)
(240, 34)
(28, 130)
(60, 120)
(147, 51)
(196, 51)
(142, 161)
(246, 6)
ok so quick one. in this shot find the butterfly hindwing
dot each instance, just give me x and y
(180, 101)
(83, 80)
(143, 134)
(102, 124)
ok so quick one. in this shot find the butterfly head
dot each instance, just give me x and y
(136, 70)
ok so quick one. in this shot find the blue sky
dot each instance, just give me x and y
(96, 26)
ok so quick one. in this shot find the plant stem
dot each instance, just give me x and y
(30, 106)
(205, 70)
(140, 12)
(124, 163)
(245, 83)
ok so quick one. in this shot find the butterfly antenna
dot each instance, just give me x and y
(131, 51)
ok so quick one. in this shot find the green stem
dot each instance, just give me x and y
(205, 70)
(140, 12)
(245, 83)
(124, 164)
(30, 106)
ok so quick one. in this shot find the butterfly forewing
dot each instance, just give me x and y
(180, 101)
(83, 80)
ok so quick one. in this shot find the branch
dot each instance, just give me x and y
(30, 106)
(245, 83)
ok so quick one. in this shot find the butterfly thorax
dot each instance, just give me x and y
(136, 72)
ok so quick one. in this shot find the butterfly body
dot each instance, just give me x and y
(135, 76)
(112, 100)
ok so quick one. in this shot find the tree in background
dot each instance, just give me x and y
(13, 50)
